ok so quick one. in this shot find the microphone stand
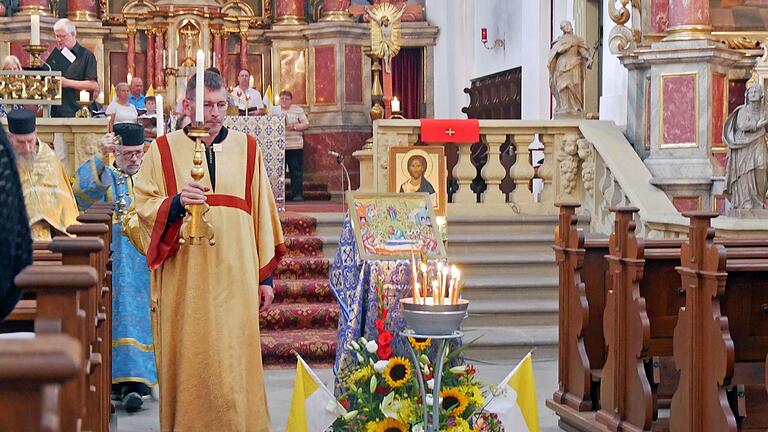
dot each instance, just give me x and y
(344, 172)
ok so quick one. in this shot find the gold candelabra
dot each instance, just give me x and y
(247, 104)
(83, 112)
(195, 227)
(34, 54)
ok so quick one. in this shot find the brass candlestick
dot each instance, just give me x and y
(34, 54)
(83, 112)
(195, 226)
(247, 104)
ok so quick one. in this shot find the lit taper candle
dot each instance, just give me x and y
(199, 87)
(35, 23)
(160, 116)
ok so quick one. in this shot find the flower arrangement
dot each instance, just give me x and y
(381, 393)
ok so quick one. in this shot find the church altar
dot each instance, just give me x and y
(270, 135)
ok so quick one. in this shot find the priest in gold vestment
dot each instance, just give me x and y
(205, 299)
(48, 194)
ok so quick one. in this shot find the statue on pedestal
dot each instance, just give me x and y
(567, 61)
(746, 179)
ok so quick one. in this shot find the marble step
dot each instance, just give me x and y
(505, 266)
(511, 289)
(498, 242)
(508, 343)
(503, 312)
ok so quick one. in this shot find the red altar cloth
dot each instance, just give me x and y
(445, 131)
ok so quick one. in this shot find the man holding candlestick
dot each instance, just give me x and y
(77, 66)
(205, 299)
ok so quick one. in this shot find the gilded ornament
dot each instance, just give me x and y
(385, 31)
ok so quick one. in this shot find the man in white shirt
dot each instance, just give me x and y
(244, 96)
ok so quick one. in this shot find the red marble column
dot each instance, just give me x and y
(290, 12)
(243, 50)
(149, 76)
(132, 51)
(159, 46)
(29, 7)
(83, 10)
(216, 37)
(336, 10)
(688, 13)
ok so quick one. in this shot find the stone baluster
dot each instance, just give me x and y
(336, 10)
(290, 12)
(522, 171)
(83, 10)
(33, 7)
(158, 70)
(464, 172)
(243, 49)
(131, 32)
(150, 77)
(493, 172)
(546, 170)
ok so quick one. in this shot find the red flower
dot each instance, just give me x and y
(384, 312)
(345, 403)
(381, 390)
(385, 345)
(379, 325)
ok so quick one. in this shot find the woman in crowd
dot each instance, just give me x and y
(120, 110)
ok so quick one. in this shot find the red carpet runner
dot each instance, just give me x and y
(305, 314)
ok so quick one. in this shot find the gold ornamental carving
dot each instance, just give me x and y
(385, 31)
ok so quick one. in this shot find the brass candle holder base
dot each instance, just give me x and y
(34, 54)
(195, 227)
(83, 112)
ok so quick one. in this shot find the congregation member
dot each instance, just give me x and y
(10, 63)
(244, 96)
(206, 298)
(295, 124)
(137, 98)
(149, 118)
(77, 66)
(120, 110)
(48, 194)
(16, 242)
(133, 362)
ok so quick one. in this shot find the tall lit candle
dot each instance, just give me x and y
(444, 285)
(213, 60)
(160, 115)
(434, 292)
(395, 104)
(164, 59)
(413, 275)
(34, 21)
(129, 78)
(85, 96)
(424, 278)
(250, 82)
(199, 87)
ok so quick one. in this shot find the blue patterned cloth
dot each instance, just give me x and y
(133, 353)
(354, 282)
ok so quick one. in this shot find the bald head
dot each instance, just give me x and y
(137, 86)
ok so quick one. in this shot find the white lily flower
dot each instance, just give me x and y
(429, 400)
(363, 340)
(371, 346)
(380, 366)
(332, 406)
(374, 383)
(458, 370)
(418, 427)
(431, 384)
(360, 358)
(423, 359)
(350, 415)
(355, 346)
(389, 407)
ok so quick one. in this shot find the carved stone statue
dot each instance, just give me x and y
(567, 61)
(746, 179)
(385, 31)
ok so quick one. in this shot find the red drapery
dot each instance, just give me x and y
(406, 81)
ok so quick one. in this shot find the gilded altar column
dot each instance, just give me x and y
(150, 76)
(290, 12)
(158, 69)
(34, 7)
(688, 19)
(83, 10)
(131, 51)
(243, 49)
(336, 10)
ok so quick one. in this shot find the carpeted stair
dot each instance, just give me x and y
(304, 315)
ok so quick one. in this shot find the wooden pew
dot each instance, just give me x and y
(32, 371)
(621, 383)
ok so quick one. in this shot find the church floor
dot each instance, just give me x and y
(279, 383)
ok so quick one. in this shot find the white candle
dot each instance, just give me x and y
(277, 100)
(395, 104)
(214, 60)
(250, 82)
(35, 23)
(163, 59)
(199, 87)
(129, 78)
(160, 115)
(85, 96)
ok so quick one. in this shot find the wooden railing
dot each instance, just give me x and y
(525, 167)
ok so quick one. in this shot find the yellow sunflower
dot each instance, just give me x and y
(453, 401)
(419, 344)
(407, 410)
(474, 394)
(398, 372)
(390, 425)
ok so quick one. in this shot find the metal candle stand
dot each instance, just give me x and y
(433, 424)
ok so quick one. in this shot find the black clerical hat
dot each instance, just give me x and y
(21, 121)
(132, 134)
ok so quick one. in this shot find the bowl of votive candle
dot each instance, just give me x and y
(433, 319)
